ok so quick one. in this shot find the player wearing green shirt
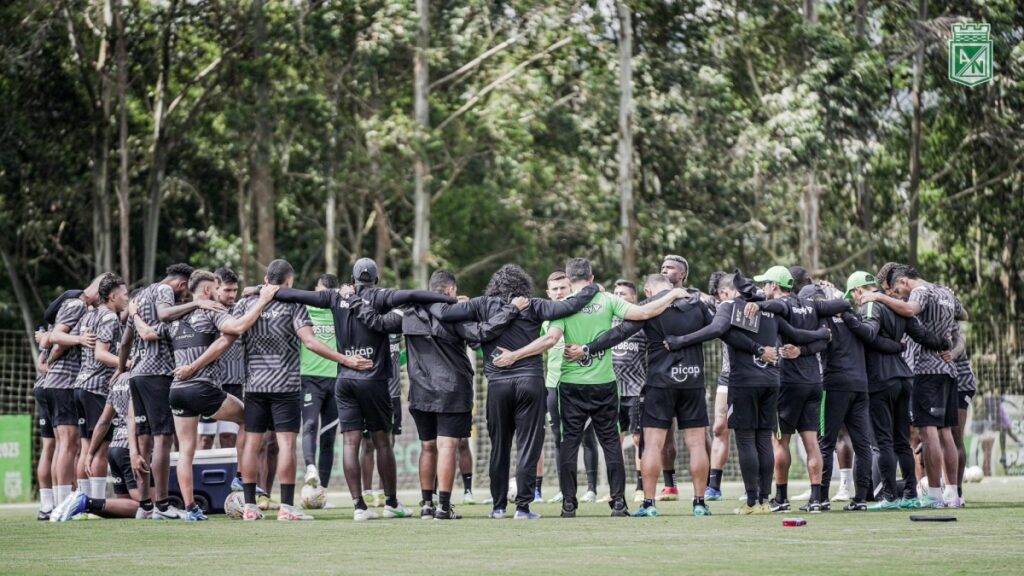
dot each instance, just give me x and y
(587, 389)
(319, 408)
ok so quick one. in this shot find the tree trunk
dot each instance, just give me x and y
(810, 11)
(810, 240)
(866, 214)
(915, 147)
(101, 231)
(860, 18)
(19, 295)
(383, 247)
(244, 227)
(262, 178)
(421, 195)
(123, 198)
(627, 214)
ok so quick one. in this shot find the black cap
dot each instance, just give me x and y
(365, 270)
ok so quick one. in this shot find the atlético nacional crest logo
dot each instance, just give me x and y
(970, 54)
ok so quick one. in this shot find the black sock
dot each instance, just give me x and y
(540, 482)
(146, 505)
(428, 496)
(670, 477)
(238, 475)
(816, 493)
(781, 492)
(359, 503)
(716, 480)
(959, 490)
(392, 501)
(592, 480)
(446, 500)
(93, 505)
(648, 503)
(698, 501)
(162, 505)
(467, 482)
(639, 481)
(249, 492)
(288, 494)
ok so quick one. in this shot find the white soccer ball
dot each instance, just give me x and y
(234, 504)
(974, 474)
(313, 498)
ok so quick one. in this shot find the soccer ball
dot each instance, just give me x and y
(234, 505)
(313, 498)
(974, 474)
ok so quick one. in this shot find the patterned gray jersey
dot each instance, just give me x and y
(939, 311)
(63, 373)
(629, 360)
(106, 325)
(723, 376)
(118, 398)
(395, 384)
(43, 353)
(232, 362)
(965, 379)
(272, 349)
(152, 358)
(190, 336)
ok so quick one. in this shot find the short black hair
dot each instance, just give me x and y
(508, 282)
(726, 281)
(626, 283)
(903, 271)
(108, 283)
(226, 275)
(885, 272)
(442, 280)
(198, 277)
(278, 271)
(713, 281)
(329, 281)
(679, 259)
(180, 270)
(578, 269)
(801, 277)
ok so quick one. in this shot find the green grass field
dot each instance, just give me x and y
(988, 538)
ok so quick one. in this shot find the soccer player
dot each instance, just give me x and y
(587, 390)
(800, 389)
(720, 426)
(676, 269)
(934, 402)
(753, 383)
(361, 390)
(629, 360)
(44, 475)
(367, 459)
(232, 367)
(319, 409)
(515, 380)
(98, 365)
(64, 361)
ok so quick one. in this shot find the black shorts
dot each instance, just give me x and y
(799, 409)
(277, 411)
(626, 408)
(364, 405)
(396, 415)
(636, 416)
(151, 398)
(90, 408)
(687, 405)
(45, 423)
(233, 389)
(196, 399)
(60, 405)
(753, 408)
(120, 462)
(934, 402)
(963, 398)
(430, 425)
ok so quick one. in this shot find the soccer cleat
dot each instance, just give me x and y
(712, 495)
(620, 510)
(261, 492)
(194, 514)
(171, 513)
(701, 510)
(646, 512)
(590, 497)
(826, 506)
(747, 510)
(361, 515)
(855, 506)
(71, 507)
(488, 500)
(555, 499)
(811, 507)
(467, 498)
(802, 497)
(252, 512)
(43, 516)
(265, 503)
(448, 514)
(954, 502)
(291, 514)
(378, 499)
(397, 512)
(931, 503)
(141, 514)
(312, 476)
(843, 495)
(963, 503)
(638, 496)
(537, 498)
(763, 508)
(776, 506)
(526, 515)
(568, 512)
(59, 508)
(885, 505)
(236, 484)
(909, 503)
(497, 514)
(604, 499)
(427, 510)
(669, 493)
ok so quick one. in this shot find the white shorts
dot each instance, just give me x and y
(217, 427)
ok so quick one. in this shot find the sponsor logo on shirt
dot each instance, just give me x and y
(683, 373)
(366, 351)
(591, 309)
(625, 348)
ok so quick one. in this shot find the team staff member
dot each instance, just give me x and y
(319, 408)
(515, 379)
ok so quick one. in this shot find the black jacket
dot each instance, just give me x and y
(884, 365)
(804, 370)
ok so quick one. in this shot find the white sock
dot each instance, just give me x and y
(46, 499)
(845, 476)
(61, 493)
(99, 488)
(950, 493)
(935, 493)
(82, 485)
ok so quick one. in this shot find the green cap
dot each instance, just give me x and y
(857, 280)
(778, 274)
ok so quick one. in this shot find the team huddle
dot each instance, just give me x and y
(124, 377)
